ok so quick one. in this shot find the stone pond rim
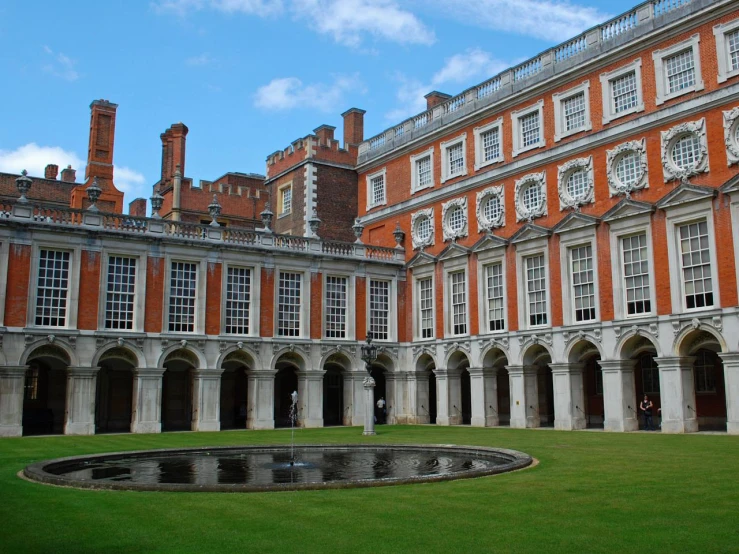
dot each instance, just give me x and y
(512, 460)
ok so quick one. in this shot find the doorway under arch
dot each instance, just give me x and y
(114, 395)
(45, 391)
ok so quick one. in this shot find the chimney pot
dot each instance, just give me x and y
(353, 126)
(51, 171)
(69, 175)
(434, 98)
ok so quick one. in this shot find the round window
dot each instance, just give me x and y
(423, 228)
(492, 209)
(686, 152)
(577, 184)
(531, 197)
(455, 219)
(628, 168)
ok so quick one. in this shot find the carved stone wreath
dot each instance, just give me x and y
(446, 210)
(613, 157)
(566, 200)
(671, 137)
(416, 219)
(531, 180)
(483, 197)
(731, 126)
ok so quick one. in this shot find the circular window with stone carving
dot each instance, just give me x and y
(686, 153)
(423, 229)
(578, 186)
(492, 209)
(455, 219)
(531, 197)
(628, 169)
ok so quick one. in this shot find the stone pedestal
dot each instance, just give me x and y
(619, 395)
(677, 394)
(147, 400)
(731, 384)
(524, 396)
(310, 398)
(12, 381)
(369, 406)
(569, 396)
(484, 391)
(261, 399)
(79, 416)
(206, 399)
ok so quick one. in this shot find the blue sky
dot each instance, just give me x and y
(246, 76)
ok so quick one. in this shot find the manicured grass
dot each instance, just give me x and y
(591, 492)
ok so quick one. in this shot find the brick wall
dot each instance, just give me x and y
(18, 282)
(155, 279)
(87, 311)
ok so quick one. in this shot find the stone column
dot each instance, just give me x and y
(12, 382)
(443, 408)
(454, 386)
(418, 397)
(731, 384)
(569, 396)
(206, 399)
(261, 401)
(147, 400)
(391, 397)
(310, 398)
(79, 416)
(369, 406)
(354, 397)
(484, 391)
(524, 389)
(677, 394)
(619, 395)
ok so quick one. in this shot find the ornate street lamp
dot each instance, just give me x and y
(369, 355)
(93, 193)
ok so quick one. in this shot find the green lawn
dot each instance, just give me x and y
(591, 492)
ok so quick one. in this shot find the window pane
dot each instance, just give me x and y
(680, 71)
(636, 274)
(490, 144)
(494, 282)
(574, 112)
(182, 290)
(426, 307)
(52, 288)
(120, 300)
(423, 171)
(696, 266)
(288, 304)
(459, 303)
(379, 309)
(336, 300)
(583, 287)
(529, 126)
(238, 299)
(455, 159)
(536, 290)
(624, 93)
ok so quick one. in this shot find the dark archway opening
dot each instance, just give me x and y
(378, 374)
(177, 396)
(504, 397)
(286, 382)
(466, 397)
(710, 391)
(333, 396)
(646, 375)
(594, 409)
(114, 397)
(233, 396)
(44, 397)
(432, 398)
(546, 396)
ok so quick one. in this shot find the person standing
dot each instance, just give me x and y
(646, 408)
(381, 410)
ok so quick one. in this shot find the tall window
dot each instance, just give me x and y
(536, 290)
(52, 288)
(624, 92)
(336, 300)
(491, 144)
(455, 159)
(119, 301)
(705, 371)
(286, 199)
(574, 112)
(732, 42)
(680, 71)
(288, 304)
(636, 274)
(649, 374)
(238, 300)
(377, 186)
(530, 128)
(423, 172)
(583, 286)
(696, 265)
(494, 288)
(426, 308)
(459, 302)
(183, 284)
(380, 309)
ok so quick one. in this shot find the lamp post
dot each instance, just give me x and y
(369, 355)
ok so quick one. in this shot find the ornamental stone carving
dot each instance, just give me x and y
(454, 223)
(422, 228)
(698, 159)
(731, 135)
(581, 191)
(490, 209)
(626, 168)
(531, 196)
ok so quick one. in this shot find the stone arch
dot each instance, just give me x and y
(122, 350)
(235, 363)
(183, 353)
(426, 402)
(337, 356)
(534, 353)
(424, 361)
(243, 354)
(457, 358)
(580, 348)
(46, 376)
(336, 388)
(494, 355)
(386, 360)
(635, 342)
(56, 349)
(698, 336)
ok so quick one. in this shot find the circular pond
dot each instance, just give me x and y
(262, 468)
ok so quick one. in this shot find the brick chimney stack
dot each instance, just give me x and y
(434, 98)
(173, 150)
(102, 135)
(69, 175)
(353, 126)
(51, 172)
(325, 134)
(137, 208)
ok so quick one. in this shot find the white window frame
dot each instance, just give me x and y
(419, 274)
(4, 259)
(455, 265)
(568, 241)
(479, 149)
(516, 117)
(660, 70)
(392, 331)
(139, 315)
(526, 250)
(254, 298)
(305, 297)
(200, 294)
(722, 52)
(445, 147)
(73, 290)
(414, 174)
(370, 197)
(280, 192)
(485, 259)
(605, 84)
(682, 215)
(350, 300)
(559, 98)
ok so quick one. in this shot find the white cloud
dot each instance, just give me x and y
(34, 159)
(61, 65)
(262, 8)
(202, 59)
(290, 92)
(130, 182)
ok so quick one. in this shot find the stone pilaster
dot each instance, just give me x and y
(677, 394)
(147, 400)
(310, 398)
(261, 401)
(206, 399)
(524, 396)
(12, 381)
(79, 416)
(443, 408)
(393, 382)
(569, 396)
(354, 397)
(731, 384)
(484, 391)
(419, 411)
(619, 395)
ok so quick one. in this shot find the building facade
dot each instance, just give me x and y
(542, 249)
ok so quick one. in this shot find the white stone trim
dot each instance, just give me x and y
(734, 206)
(660, 74)
(450, 266)
(446, 208)
(670, 137)
(420, 273)
(311, 197)
(615, 186)
(445, 146)
(478, 132)
(254, 303)
(532, 179)
(370, 197)
(483, 224)
(605, 85)
(59, 243)
(484, 259)
(305, 297)
(418, 242)
(559, 98)
(568, 241)
(280, 191)
(525, 250)
(200, 294)
(139, 288)
(4, 255)
(731, 126)
(350, 301)
(722, 53)
(564, 171)
(414, 175)
(516, 116)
